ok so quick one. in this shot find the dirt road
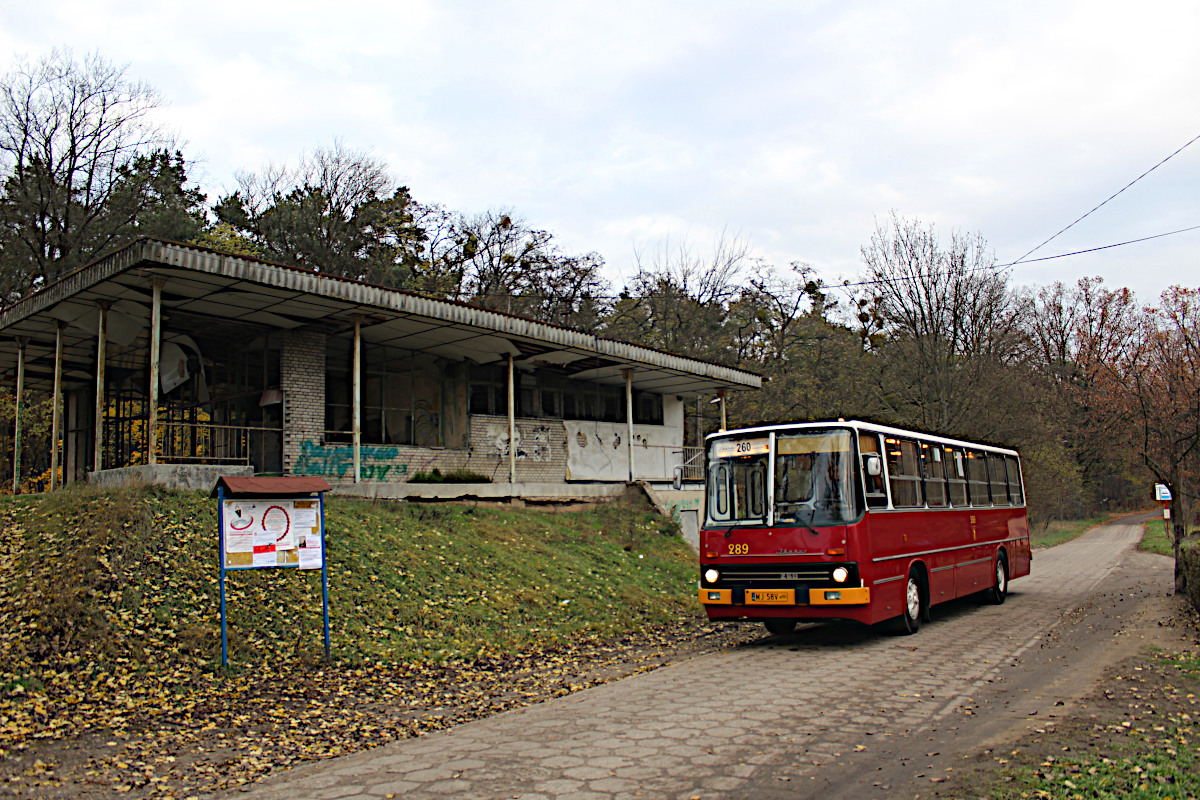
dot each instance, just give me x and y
(828, 712)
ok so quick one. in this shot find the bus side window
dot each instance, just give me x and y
(904, 473)
(876, 491)
(956, 475)
(998, 480)
(935, 475)
(1014, 481)
(977, 479)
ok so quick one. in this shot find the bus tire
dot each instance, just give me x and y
(781, 627)
(997, 594)
(909, 622)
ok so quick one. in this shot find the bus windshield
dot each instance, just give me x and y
(813, 478)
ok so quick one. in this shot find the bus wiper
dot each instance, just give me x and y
(796, 518)
(811, 516)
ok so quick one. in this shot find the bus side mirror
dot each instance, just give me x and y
(677, 481)
(873, 465)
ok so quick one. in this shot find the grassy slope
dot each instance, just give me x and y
(109, 624)
(131, 576)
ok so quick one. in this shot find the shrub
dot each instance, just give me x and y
(453, 476)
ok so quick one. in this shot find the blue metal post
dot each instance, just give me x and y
(221, 536)
(324, 573)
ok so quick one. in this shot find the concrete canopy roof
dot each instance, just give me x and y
(209, 289)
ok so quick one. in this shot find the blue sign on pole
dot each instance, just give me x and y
(266, 523)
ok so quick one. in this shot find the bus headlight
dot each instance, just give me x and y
(711, 575)
(840, 575)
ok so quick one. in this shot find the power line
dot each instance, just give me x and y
(1102, 247)
(1131, 183)
(1048, 258)
(849, 285)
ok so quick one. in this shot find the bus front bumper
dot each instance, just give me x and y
(849, 596)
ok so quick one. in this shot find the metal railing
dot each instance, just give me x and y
(663, 462)
(693, 464)
(211, 443)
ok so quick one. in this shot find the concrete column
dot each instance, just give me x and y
(56, 400)
(721, 397)
(155, 347)
(356, 400)
(101, 342)
(628, 373)
(21, 344)
(512, 422)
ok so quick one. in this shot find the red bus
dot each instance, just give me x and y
(865, 522)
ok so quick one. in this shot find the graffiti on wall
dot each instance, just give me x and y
(377, 462)
(532, 442)
(600, 451)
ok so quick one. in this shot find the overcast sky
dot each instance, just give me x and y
(618, 125)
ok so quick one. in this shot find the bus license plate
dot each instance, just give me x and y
(770, 597)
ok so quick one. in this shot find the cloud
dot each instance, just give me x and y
(612, 124)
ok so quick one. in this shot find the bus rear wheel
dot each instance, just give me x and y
(914, 605)
(999, 592)
(781, 627)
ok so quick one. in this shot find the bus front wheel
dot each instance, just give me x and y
(780, 627)
(999, 592)
(914, 604)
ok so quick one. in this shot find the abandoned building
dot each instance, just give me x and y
(176, 364)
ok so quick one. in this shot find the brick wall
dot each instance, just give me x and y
(541, 455)
(379, 463)
(541, 449)
(541, 443)
(302, 378)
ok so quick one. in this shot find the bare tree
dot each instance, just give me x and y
(1161, 379)
(705, 277)
(76, 140)
(782, 326)
(347, 177)
(497, 260)
(679, 299)
(949, 323)
(337, 211)
(1076, 336)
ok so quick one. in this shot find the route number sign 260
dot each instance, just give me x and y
(732, 448)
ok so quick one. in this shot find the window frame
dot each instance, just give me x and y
(998, 483)
(897, 478)
(956, 482)
(975, 487)
(933, 461)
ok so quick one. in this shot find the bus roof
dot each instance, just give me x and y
(858, 425)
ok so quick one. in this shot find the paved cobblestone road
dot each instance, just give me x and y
(765, 719)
